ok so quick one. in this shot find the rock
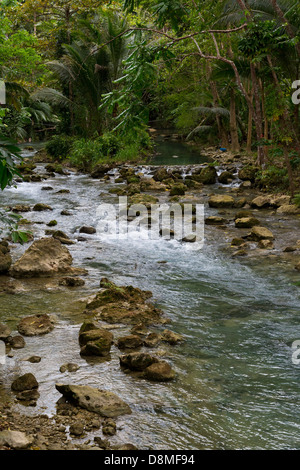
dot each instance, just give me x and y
(21, 208)
(125, 304)
(77, 429)
(207, 175)
(88, 230)
(71, 282)
(225, 177)
(126, 447)
(262, 202)
(47, 188)
(45, 257)
(24, 382)
(265, 244)
(65, 212)
(214, 220)
(178, 189)
(15, 440)
(34, 359)
(161, 174)
(52, 223)
(151, 340)
(290, 249)
(261, 233)
(159, 371)
(243, 213)
(246, 222)
(248, 173)
(69, 367)
(137, 361)
(109, 427)
(289, 209)
(100, 170)
(5, 262)
(104, 403)
(220, 201)
(35, 325)
(145, 199)
(189, 238)
(5, 332)
(42, 207)
(93, 340)
(16, 342)
(170, 337)
(129, 342)
(237, 242)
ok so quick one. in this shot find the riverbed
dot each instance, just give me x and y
(236, 386)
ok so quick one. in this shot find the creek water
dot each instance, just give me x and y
(236, 384)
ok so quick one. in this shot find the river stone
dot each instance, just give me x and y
(261, 233)
(262, 202)
(44, 258)
(96, 341)
(69, 367)
(88, 230)
(129, 342)
(208, 175)
(71, 282)
(219, 201)
(5, 262)
(215, 220)
(225, 177)
(16, 342)
(137, 361)
(161, 174)
(15, 440)
(289, 209)
(5, 332)
(298, 266)
(41, 207)
(104, 403)
(178, 189)
(24, 382)
(151, 340)
(160, 371)
(35, 325)
(248, 173)
(109, 427)
(171, 337)
(246, 222)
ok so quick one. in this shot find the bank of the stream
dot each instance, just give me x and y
(237, 308)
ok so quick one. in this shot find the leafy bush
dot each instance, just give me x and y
(110, 144)
(59, 146)
(273, 178)
(85, 153)
(296, 200)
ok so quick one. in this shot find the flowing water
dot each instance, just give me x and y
(236, 385)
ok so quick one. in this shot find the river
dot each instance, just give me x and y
(236, 384)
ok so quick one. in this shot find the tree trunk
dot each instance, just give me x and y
(235, 146)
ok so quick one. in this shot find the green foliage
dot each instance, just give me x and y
(85, 153)
(272, 178)
(296, 200)
(59, 146)
(9, 227)
(9, 155)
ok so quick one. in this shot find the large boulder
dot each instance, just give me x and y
(93, 340)
(137, 361)
(288, 209)
(16, 440)
(220, 201)
(246, 222)
(208, 175)
(104, 403)
(24, 382)
(45, 257)
(261, 233)
(35, 325)
(248, 173)
(123, 304)
(161, 174)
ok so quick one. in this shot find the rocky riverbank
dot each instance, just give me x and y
(240, 221)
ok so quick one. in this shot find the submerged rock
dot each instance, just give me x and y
(5, 332)
(104, 403)
(45, 257)
(246, 222)
(129, 342)
(137, 361)
(35, 325)
(159, 371)
(123, 304)
(42, 207)
(261, 233)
